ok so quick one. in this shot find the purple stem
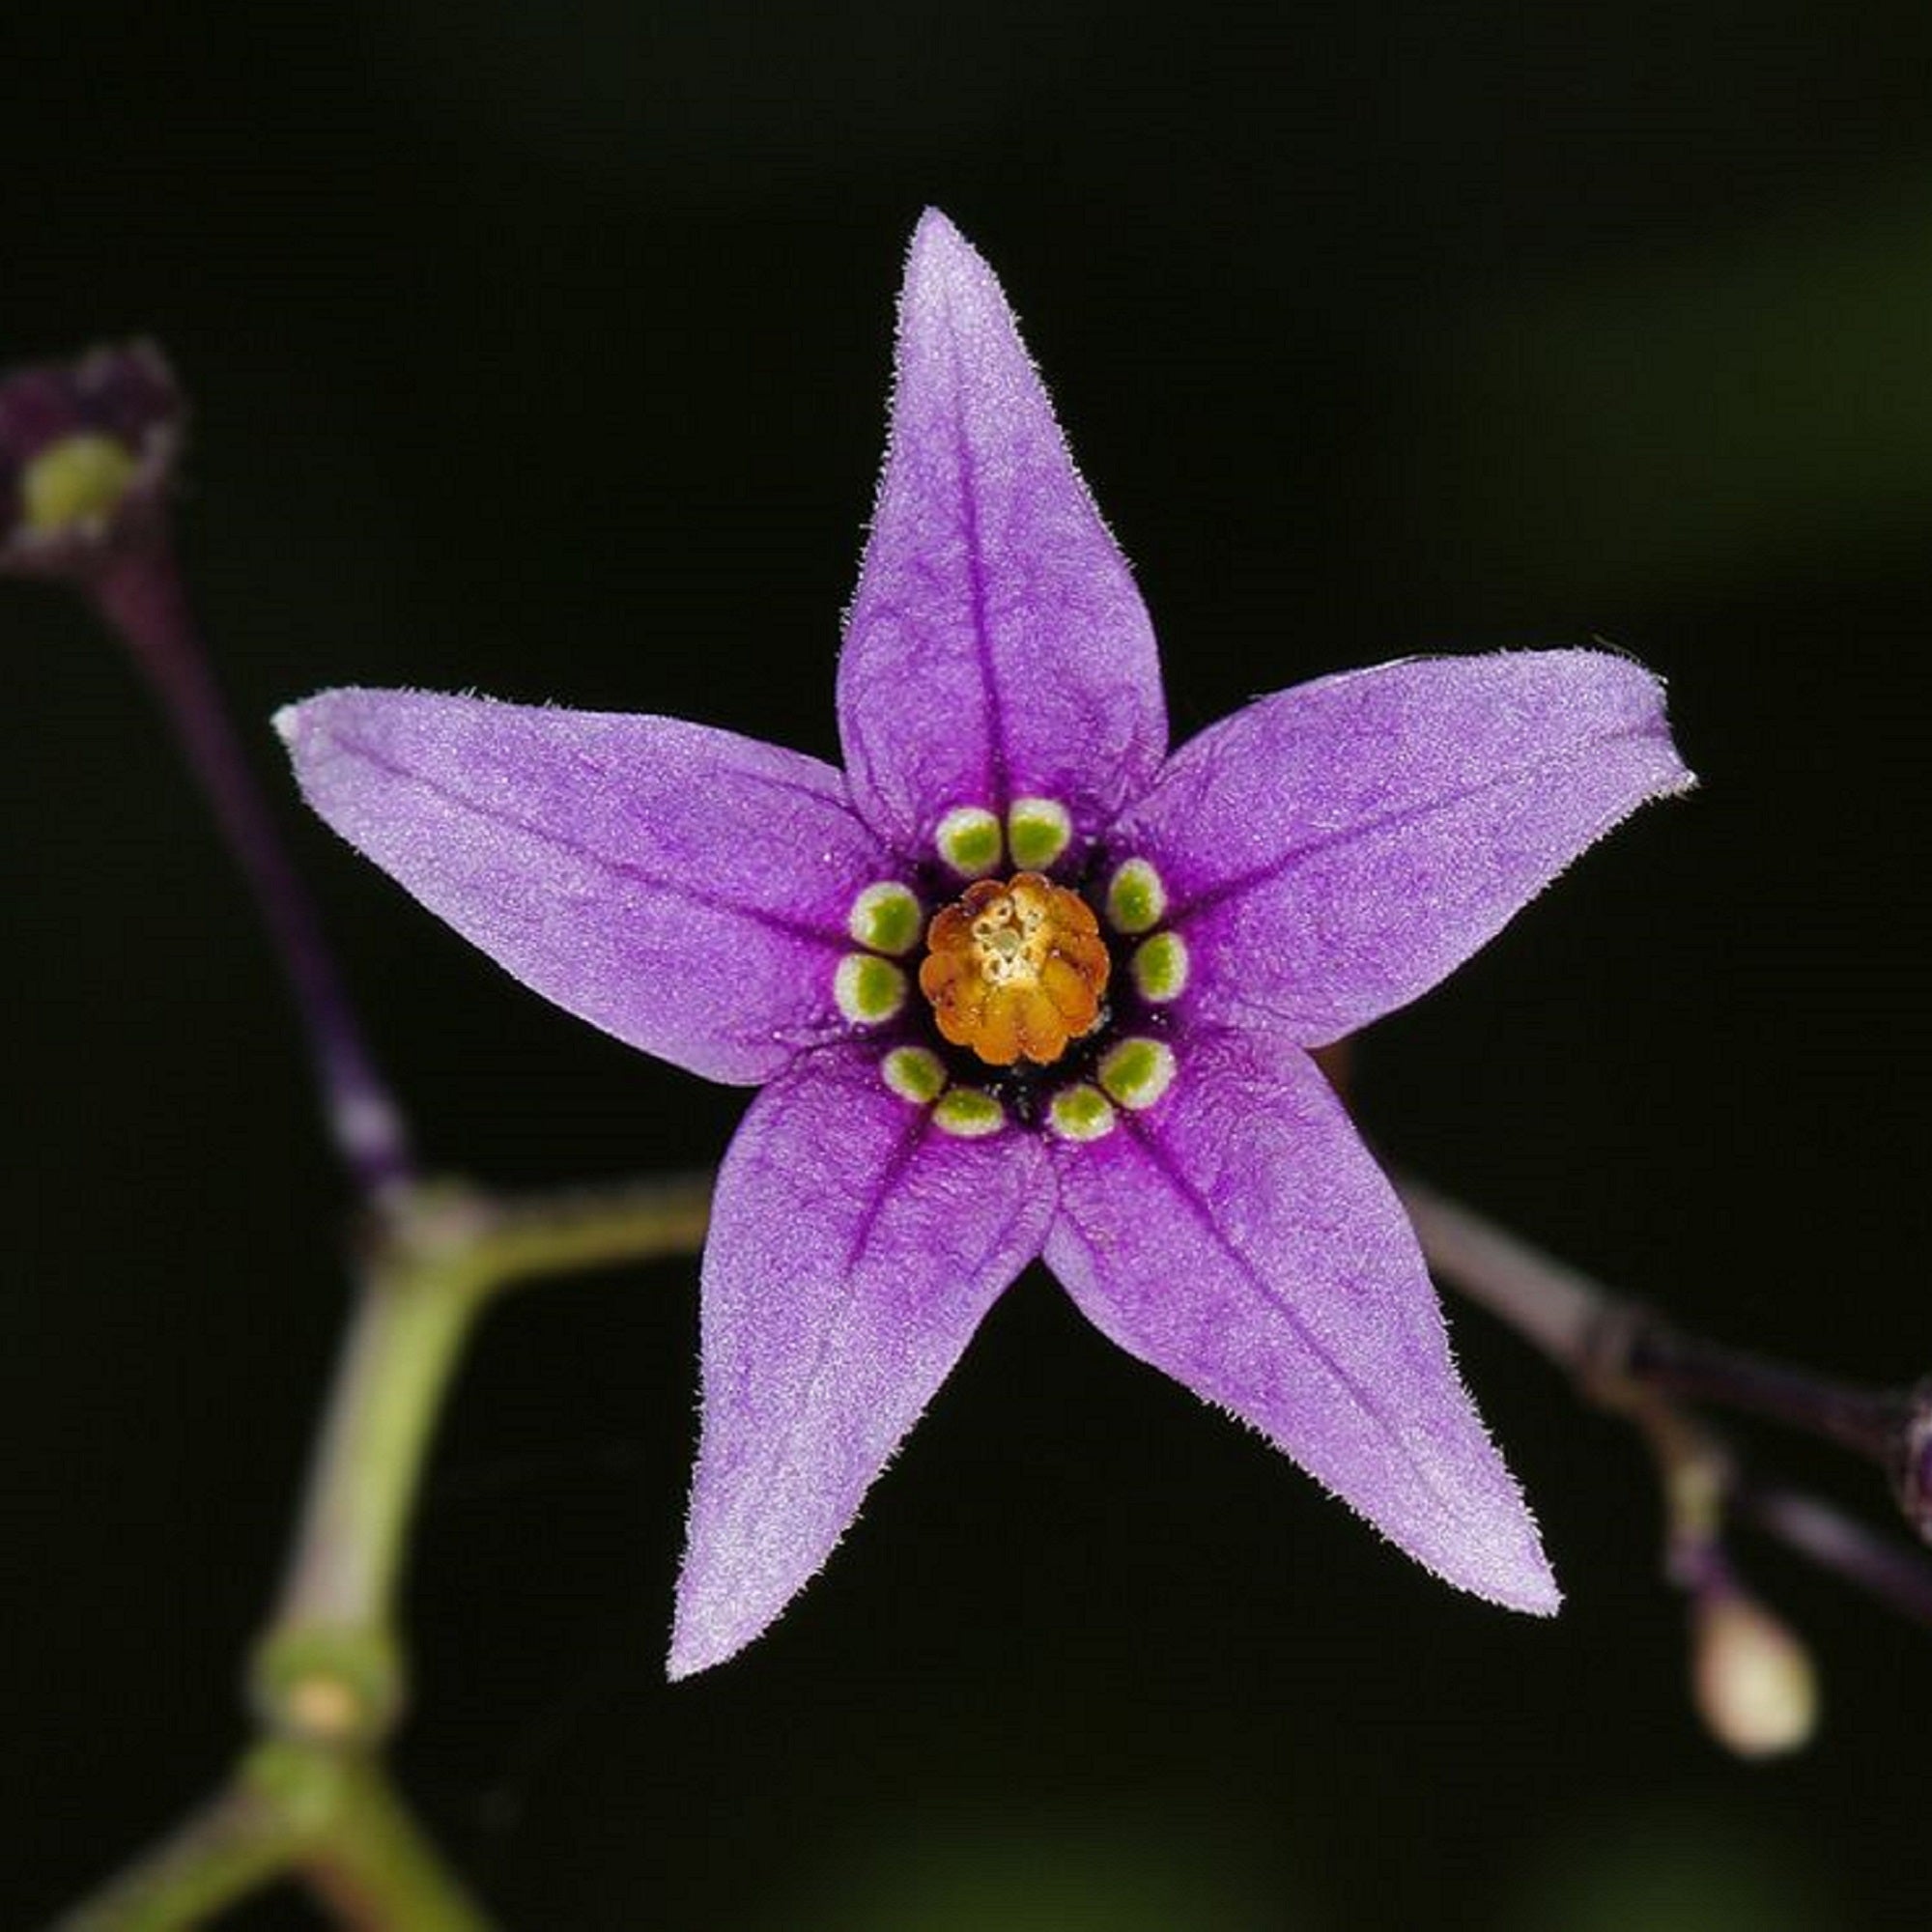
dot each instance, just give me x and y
(1891, 1571)
(138, 590)
(1602, 1339)
(1867, 1421)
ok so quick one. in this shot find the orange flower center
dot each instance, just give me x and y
(1015, 970)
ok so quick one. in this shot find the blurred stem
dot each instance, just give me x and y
(330, 1664)
(330, 1667)
(138, 591)
(409, 1328)
(312, 1800)
(1815, 1528)
(1623, 1357)
(232, 1847)
(329, 1818)
(365, 1856)
(1558, 1308)
(565, 1232)
(1602, 1337)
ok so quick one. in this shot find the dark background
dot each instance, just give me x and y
(543, 350)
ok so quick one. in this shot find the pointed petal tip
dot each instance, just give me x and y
(942, 265)
(720, 1611)
(693, 1652)
(1649, 695)
(1531, 1590)
(1546, 1603)
(299, 720)
(1493, 1552)
(935, 229)
(1501, 1563)
(1500, 1559)
(711, 1622)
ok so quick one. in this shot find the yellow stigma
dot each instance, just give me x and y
(1015, 970)
(75, 483)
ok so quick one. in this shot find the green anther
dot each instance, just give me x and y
(1081, 1114)
(1138, 1072)
(968, 840)
(1039, 830)
(1136, 898)
(969, 1113)
(1159, 968)
(914, 1075)
(75, 483)
(887, 917)
(868, 989)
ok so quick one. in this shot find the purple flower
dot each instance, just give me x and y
(1020, 983)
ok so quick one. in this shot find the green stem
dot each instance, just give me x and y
(598, 1227)
(363, 1856)
(310, 1812)
(232, 1847)
(313, 1801)
(331, 1666)
(402, 1349)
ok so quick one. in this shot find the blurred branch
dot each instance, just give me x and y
(330, 1664)
(234, 1846)
(138, 593)
(89, 451)
(312, 1800)
(1751, 1676)
(331, 1819)
(1834, 1540)
(1611, 1345)
(1622, 1357)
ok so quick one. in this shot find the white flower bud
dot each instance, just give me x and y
(1752, 1677)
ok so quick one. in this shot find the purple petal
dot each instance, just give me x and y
(997, 647)
(1334, 850)
(854, 1248)
(685, 888)
(1237, 1236)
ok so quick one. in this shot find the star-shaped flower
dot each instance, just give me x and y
(1020, 983)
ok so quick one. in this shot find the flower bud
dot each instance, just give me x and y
(86, 453)
(1752, 1677)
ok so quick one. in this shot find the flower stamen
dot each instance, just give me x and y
(1039, 830)
(914, 1075)
(1082, 1114)
(968, 1114)
(1136, 898)
(885, 918)
(868, 989)
(1015, 970)
(970, 840)
(1138, 1072)
(1160, 967)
